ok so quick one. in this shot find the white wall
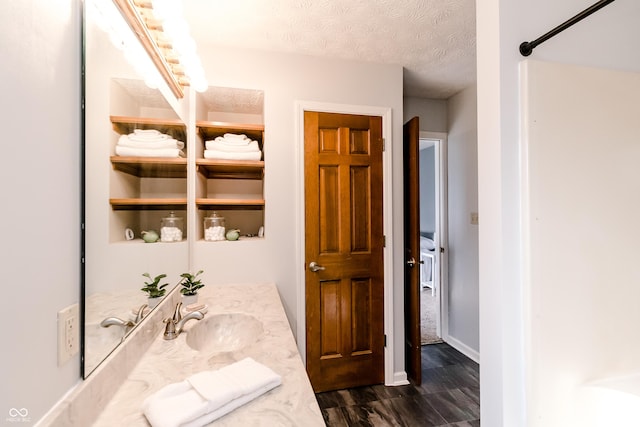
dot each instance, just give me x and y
(462, 179)
(606, 39)
(40, 181)
(432, 113)
(580, 182)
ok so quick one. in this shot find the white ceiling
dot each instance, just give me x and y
(434, 40)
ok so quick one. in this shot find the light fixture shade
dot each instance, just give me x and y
(163, 33)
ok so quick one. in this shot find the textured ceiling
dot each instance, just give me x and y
(434, 40)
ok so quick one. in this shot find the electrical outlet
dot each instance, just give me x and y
(68, 334)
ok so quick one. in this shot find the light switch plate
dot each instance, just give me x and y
(68, 333)
(474, 218)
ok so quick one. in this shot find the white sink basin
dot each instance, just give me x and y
(224, 333)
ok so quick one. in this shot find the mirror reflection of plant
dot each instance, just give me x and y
(152, 288)
(189, 283)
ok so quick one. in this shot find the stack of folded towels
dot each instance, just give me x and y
(208, 395)
(149, 143)
(232, 146)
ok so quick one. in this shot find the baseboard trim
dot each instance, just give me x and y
(463, 348)
(399, 378)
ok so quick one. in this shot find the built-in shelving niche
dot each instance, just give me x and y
(143, 190)
(232, 188)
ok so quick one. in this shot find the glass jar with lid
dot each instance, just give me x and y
(171, 228)
(214, 227)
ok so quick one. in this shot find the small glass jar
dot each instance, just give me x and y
(214, 228)
(171, 228)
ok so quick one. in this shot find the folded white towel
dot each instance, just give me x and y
(128, 141)
(236, 136)
(224, 155)
(148, 152)
(234, 142)
(233, 148)
(208, 395)
(149, 138)
(146, 132)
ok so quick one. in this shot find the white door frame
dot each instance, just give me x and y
(299, 227)
(441, 238)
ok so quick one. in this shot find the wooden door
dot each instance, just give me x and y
(344, 237)
(412, 349)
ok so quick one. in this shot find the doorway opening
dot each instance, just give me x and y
(432, 207)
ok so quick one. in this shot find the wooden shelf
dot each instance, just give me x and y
(210, 130)
(125, 125)
(231, 169)
(151, 204)
(151, 167)
(230, 204)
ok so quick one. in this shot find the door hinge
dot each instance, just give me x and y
(385, 340)
(383, 144)
(384, 241)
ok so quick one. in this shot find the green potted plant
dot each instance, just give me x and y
(190, 285)
(153, 289)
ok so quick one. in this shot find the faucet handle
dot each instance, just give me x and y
(177, 314)
(140, 313)
(170, 329)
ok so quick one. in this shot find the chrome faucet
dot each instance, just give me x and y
(111, 321)
(176, 323)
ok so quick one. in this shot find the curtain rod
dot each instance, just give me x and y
(527, 47)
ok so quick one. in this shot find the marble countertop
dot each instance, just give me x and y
(292, 403)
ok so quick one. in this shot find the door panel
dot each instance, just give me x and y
(343, 232)
(413, 364)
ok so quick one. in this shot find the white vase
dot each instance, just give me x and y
(152, 302)
(189, 299)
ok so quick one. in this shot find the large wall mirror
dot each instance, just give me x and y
(127, 202)
(151, 181)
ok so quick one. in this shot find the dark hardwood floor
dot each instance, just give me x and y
(449, 396)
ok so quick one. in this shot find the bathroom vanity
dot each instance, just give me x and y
(242, 320)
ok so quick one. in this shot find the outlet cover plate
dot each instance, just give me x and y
(68, 333)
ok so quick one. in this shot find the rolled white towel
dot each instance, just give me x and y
(148, 152)
(233, 148)
(208, 395)
(127, 141)
(225, 155)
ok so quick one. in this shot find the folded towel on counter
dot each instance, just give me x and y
(225, 155)
(208, 395)
(233, 148)
(148, 152)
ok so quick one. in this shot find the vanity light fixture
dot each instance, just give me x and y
(162, 31)
(109, 19)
